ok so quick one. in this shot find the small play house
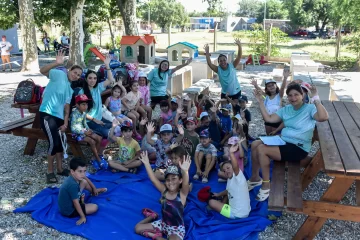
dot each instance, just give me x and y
(138, 49)
(175, 52)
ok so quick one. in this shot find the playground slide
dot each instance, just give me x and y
(97, 53)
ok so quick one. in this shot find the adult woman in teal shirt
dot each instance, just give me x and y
(54, 111)
(159, 78)
(299, 119)
(227, 72)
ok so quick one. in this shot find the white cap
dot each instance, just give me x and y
(142, 74)
(269, 81)
(174, 100)
(166, 128)
(203, 114)
(238, 117)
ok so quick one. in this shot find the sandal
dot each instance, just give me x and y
(196, 176)
(133, 170)
(150, 213)
(252, 185)
(156, 235)
(262, 195)
(51, 178)
(102, 190)
(65, 172)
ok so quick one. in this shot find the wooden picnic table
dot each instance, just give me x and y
(339, 158)
(34, 132)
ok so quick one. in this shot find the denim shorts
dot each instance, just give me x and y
(102, 130)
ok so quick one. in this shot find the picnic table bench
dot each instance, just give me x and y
(338, 157)
(34, 132)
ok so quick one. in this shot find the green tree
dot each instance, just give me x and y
(248, 8)
(274, 10)
(164, 12)
(128, 14)
(9, 14)
(213, 5)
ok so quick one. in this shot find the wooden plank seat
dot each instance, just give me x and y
(200, 86)
(7, 128)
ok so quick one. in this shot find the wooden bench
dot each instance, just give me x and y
(200, 86)
(22, 122)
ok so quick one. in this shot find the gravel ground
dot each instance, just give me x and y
(24, 178)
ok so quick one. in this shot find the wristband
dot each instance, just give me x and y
(314, 98)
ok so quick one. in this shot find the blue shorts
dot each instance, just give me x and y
(102, 130)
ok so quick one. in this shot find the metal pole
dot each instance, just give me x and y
(264, 14)
(148, 14)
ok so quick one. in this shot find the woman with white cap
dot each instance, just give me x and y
(273, 98)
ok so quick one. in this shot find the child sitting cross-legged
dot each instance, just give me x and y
(205, 149)
(173, 200)
(71, 199)
(81, 131)
(129, 150)
(236, 200)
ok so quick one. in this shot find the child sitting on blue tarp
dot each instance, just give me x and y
(236, 199)
(70, 199)
(173, 201)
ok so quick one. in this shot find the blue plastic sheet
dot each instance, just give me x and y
(120, 209)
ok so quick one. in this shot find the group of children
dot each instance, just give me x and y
(193, 127)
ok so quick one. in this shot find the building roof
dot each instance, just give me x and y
(130, 40)
(187, 44)
(249, 20)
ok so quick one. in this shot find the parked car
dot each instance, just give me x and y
(300, 32)
(313, 34)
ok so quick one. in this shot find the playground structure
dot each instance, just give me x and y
(139, 49)
(175, 52)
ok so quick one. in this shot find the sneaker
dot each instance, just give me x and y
(205, 180)
(221, 180)
(196, 177)
(104, 164)
(95, 164)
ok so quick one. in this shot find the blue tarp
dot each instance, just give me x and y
(120, 209)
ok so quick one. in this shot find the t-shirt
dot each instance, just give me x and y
(46, 40)
(96, 110)
(127, 151)
(162, 159)
(228, 80)
(299, 125)
(131, 98)
(214, 131)
(190, 142)
(78, 123)
(211, 149)
(225, 122)
(64, 40)
(5, 46)
(272, 105)
(69, 191)
(167, 117)
(145, 95)
(57, 94)
(158, 86)
(238, 194)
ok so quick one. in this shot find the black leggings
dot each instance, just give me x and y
(50, 125)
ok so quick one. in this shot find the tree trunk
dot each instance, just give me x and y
(338, 43)
(111, 33)
(77, 33)
(28, 36)
(128, 14)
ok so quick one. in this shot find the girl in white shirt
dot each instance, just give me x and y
(273, 99)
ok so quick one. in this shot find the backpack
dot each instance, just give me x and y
(27, 92)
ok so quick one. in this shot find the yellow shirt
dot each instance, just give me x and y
(127, 151)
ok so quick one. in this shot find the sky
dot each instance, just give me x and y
(199, 6)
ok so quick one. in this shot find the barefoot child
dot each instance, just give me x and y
(236, 200)
(129, 150)
(113, 103)
(81, 131)
(204, 150)
(173, 201)
(70, 199)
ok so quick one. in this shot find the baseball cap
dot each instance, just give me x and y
(165, 128)
(227, 107)
(306, 86)
(173, 170)
(269, 81)
(174, 100)
(142, 74)
(233, 140)
(126, 124)
(238, 117)
(81, 98)
(190, 119)
(186, 98)
(204, 133)
(203, 114)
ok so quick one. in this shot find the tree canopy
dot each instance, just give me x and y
(248, 8)
(274, 10)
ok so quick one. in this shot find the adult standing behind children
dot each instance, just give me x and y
(6, 48)
(46, 41)
(55, 110)
(158, 78)
(227, 72)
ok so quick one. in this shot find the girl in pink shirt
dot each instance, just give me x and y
(166, 115)
(145, 94)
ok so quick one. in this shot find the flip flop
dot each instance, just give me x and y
(262, 195)
(150, 213)
(102, 190)
(65, 172)
(50, 177)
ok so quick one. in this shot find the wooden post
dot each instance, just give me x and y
(169, 35)
(269, 41)
(215, 35)
(338, 43)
